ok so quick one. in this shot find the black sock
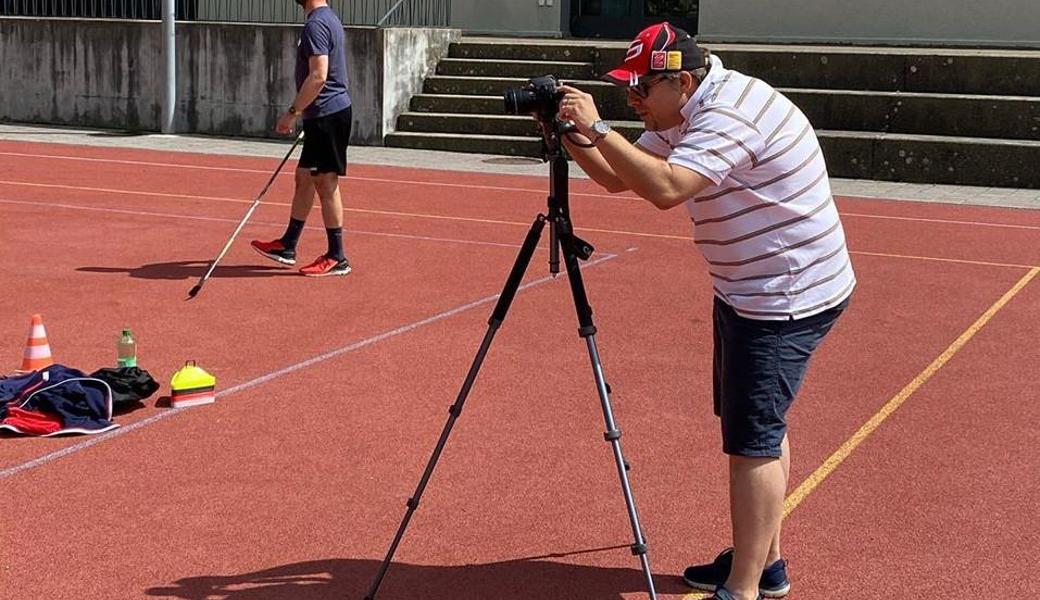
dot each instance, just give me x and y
(292, 233)
(335, 235)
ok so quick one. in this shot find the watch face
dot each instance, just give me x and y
(601, 127)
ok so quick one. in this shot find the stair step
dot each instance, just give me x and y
(522, 50)
(932, 158)
(1004, 117)
(609, 100)
(942, 70)
(514, 68)
(935, 115)
(980, 116)
(949, 71)
(850, 154)
(496, 86)
(455, 123)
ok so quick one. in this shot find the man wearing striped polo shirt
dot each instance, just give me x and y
(747, 165)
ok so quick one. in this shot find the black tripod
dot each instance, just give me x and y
(561, 238)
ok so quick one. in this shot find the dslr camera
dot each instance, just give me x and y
(540, 97)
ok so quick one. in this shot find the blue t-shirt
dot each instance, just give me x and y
(323, 35)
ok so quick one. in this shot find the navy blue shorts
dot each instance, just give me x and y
(325, 141)
(758, 368)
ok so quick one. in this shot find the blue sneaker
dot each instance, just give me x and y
(709, 577)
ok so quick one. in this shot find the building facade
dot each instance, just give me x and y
(993, 24)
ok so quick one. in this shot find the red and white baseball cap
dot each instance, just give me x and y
(659, 48)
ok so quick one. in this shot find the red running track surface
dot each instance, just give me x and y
(333, 394)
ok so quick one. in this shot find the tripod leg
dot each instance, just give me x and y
(498, 315)
(587, 330)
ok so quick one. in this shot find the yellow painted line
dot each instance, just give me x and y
(949, 260)
(846, 449)
(133, 192)
(943, 221)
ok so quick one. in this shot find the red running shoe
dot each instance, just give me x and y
(275, 250)
(326, 266)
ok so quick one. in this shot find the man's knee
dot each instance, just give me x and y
(327, 184)
(750, 462)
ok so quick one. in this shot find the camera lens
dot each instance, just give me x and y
(521, 101)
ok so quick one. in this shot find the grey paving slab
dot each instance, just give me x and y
(481, 163)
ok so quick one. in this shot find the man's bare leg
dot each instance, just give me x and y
(785, 462)
(327, 185)
(303, 198)
(756, 494)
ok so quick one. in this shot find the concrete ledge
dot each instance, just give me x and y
(932, 159)
(505, 145)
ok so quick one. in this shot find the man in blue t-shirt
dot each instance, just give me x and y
(323, 101)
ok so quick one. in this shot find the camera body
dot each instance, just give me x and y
(540, 98)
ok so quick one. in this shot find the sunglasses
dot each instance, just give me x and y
(642, 89)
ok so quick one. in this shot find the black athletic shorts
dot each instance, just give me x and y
(325, 141)
(758, 368)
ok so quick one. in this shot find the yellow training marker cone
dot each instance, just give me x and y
(191, 386)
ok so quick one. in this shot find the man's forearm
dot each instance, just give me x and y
(308, 92)
(648, 176)
(595, 166)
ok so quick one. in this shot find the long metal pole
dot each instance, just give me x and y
(169, 53)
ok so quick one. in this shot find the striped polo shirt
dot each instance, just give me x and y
(766, 224)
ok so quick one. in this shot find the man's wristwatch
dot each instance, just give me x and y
(600, 129)
(294, 111)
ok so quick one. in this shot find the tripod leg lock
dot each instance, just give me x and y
(638, 549)
(455, 410)
(586, 331)
(413, 503)
(614, 434)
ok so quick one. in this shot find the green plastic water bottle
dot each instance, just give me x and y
(126, 349)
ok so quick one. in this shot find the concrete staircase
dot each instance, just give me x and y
(968, 117)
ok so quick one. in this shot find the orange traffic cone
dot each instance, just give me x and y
(37, 351)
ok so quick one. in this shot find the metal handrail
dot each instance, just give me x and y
(392, 10)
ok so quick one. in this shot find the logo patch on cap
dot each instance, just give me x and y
(634, 50)
(658, 60)
(674, 60)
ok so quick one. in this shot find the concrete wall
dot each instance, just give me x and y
(1011, 23)
(545, 18)
(418, 50)
(231, 79)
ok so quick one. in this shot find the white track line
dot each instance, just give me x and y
(463, 186)
(47, 458)
(143, 163)
(264, 223)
